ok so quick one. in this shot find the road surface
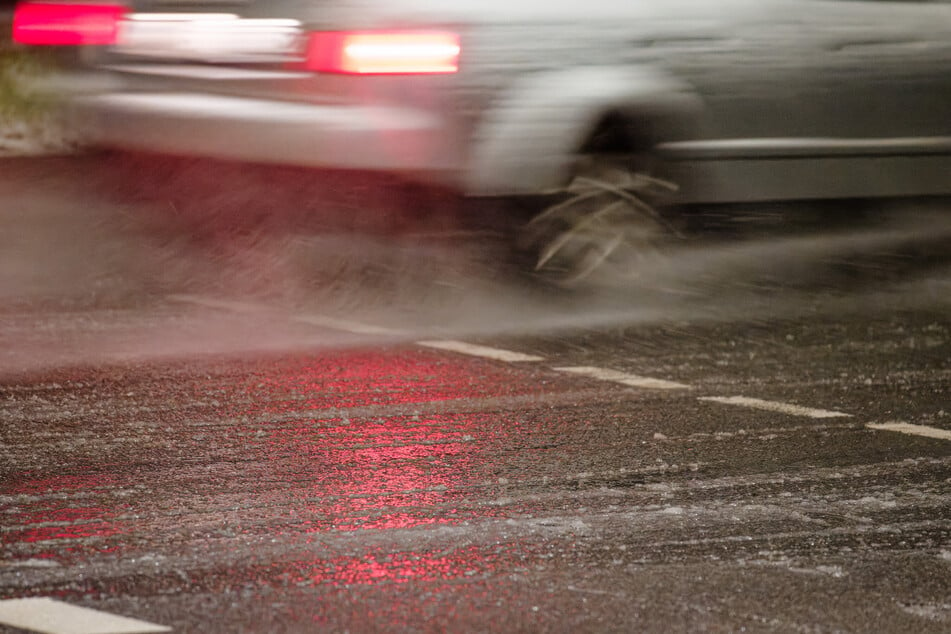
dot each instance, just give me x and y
(196, 439)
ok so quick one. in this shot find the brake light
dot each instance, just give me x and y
(66, 24)
(383, 52)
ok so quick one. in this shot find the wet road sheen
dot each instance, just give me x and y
(236, 467)
(403, 488)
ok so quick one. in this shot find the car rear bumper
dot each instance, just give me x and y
(354, 137)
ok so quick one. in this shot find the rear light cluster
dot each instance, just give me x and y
(66, 24)
(373, 52)
(383, 52)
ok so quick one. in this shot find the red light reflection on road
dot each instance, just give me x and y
(400, 567)
(370, 378)
(396, 473)
(58, 509)
(48, 533)
(281, 451)
(391, 466)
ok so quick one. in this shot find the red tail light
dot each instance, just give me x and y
(66, 24)
(383, 52)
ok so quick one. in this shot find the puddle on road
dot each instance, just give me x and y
(87, 273)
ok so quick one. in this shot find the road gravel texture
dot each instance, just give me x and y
(188, 442)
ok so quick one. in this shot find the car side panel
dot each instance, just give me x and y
(744, 99)
(529, 139)
(811, 99)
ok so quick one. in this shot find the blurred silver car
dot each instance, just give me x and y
(608, 105)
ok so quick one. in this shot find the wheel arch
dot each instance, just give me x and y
(530, 138)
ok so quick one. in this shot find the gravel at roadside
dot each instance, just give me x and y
(43, 135)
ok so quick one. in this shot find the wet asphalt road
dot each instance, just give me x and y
(209, 444)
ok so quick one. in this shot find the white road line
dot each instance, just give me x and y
(345, 324)
(55, 617)
(479, 351)
(323, 321)
(623, 378)
(914, 430)
(775, 406)
(220, 304)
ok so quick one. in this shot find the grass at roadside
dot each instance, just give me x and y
(28, 121)
(17, 67)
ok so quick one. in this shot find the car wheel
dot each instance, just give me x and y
(605, 227)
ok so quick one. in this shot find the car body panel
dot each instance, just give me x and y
(369, 138)
(522, 145)
(744, 99)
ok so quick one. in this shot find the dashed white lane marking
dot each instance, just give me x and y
(624, 378)
(775, 406)
(480, 351)
(345, 325)
(323, 321)
(55, 617)
(221, 304)
(914, 430)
